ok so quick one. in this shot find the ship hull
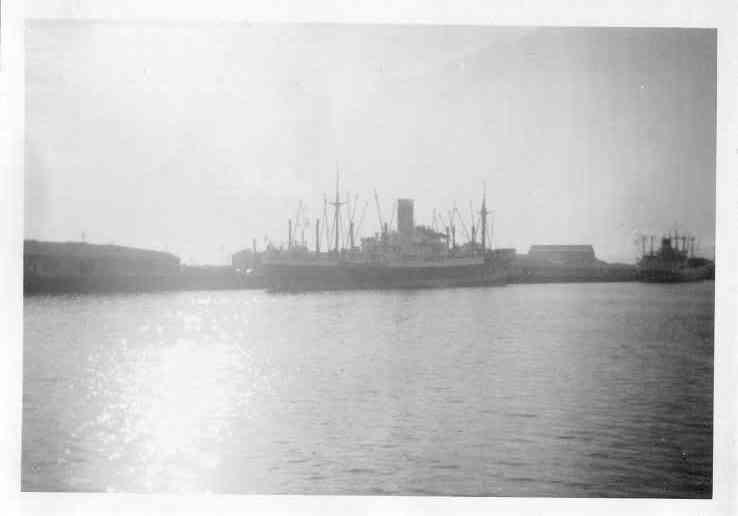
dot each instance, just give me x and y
(665, 275)
(346, 276)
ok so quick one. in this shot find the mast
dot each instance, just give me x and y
(473, 225)
(483, 212)
(352, 218)
(336, 215)
(492, 230)
(317, 236)
(379, 211)
(453, 228)
(348, 217)
(325, 222)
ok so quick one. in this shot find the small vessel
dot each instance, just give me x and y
(413, 256)
(674, 261)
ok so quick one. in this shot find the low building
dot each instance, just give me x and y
(566, 263)
(77, 259)
(563, 254)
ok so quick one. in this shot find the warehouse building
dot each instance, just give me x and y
(563, 254)
(78, 259)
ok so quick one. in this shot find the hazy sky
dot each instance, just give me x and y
(196, 138)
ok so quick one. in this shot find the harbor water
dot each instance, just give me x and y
(564, 390)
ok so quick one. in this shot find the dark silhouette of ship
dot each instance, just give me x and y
(674, 261)
(412, 256)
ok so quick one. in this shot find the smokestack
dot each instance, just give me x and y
(253, 245)
(351, 234)
(448, 238)
(405, 222)
(289, 234)
(453, 237)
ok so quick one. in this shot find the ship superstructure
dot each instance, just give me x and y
(412, 256)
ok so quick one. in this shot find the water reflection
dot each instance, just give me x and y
(563, 390)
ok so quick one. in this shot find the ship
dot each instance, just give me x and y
(673, 261)
(410, 257)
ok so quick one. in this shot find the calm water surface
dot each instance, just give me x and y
(525, 390)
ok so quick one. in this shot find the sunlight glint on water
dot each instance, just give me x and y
(527, 390)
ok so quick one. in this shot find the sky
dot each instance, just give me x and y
(195, 138)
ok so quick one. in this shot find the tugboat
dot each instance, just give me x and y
(674, 261)
(410, 257)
